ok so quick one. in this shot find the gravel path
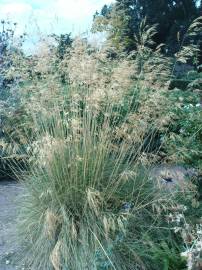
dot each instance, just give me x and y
(9, 191)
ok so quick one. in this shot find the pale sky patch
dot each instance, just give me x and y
(65, 15)
(43, 17)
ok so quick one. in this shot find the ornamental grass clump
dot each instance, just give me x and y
(86, 205)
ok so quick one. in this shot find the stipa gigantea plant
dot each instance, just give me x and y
(81, 199)
(86, 191)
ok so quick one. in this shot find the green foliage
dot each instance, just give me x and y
(184, 139)
(187, 80)
(169, 258)
(64, 43)
(12, 113)
(124, 17)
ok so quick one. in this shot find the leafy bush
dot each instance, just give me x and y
(184, 140)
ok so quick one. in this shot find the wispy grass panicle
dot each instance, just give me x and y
(89, 200)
